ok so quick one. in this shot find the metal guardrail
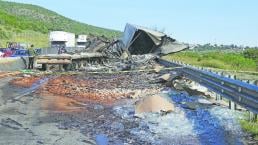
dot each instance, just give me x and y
(237, 91)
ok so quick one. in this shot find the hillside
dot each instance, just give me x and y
(31, 24)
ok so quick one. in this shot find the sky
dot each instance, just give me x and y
(190, 21)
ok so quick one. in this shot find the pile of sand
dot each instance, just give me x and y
(156, 103)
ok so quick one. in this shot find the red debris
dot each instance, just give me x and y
(25, 82)
(7, 74)
(96, 91)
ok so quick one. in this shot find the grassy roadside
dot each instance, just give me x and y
(220, 60)
(250, 127)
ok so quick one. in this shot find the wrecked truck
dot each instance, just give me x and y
(136, 44)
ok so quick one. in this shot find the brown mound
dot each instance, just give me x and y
(154, 104)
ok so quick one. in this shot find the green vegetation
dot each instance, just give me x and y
(218, 59)
(250, 127)
(18, 19)
(251, 54)
(225, 48)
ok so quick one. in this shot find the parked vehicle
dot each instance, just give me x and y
(20, 53)
(8, 52)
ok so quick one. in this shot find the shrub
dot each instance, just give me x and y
(251, 54)
(250, 127)
(215, 59)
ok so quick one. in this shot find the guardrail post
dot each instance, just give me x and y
(232, 105)
(219, 97)
(252, 116)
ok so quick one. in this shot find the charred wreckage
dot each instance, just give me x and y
(138, 46)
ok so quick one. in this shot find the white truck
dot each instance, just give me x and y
(61, 38)
(81, 41)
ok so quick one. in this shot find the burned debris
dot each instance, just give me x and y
(139, 40)
(137, 45)
(136, 40)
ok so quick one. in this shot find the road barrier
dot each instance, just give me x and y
(242, 93)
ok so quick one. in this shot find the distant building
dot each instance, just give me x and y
(60, 38)
(81, 41)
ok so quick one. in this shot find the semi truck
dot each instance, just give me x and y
(61, 38)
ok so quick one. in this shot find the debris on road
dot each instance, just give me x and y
(8, 74)
(25, 82)
(113, 98)
(104, 89)
(166, 77)
(108, 104)
(156, 103)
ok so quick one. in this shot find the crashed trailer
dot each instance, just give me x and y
(139, 40)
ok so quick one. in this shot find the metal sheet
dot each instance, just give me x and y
(141, 40)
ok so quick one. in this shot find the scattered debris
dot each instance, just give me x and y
(158, 68)
(85, 90)
(165, 77)
(193, 92)
(137, 48)
(117, 127)
(96, 88)
(109, 116)
(195, 105)
(8, 74)
(113, 101)
(212, 125)
(25, 82)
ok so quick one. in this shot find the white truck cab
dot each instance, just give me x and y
(81, 41)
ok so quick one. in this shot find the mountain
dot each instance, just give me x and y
(31, 24)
